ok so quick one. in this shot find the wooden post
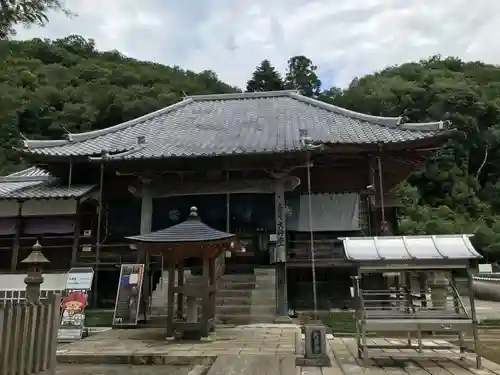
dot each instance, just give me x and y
(180, 294)
(17, 238)
(76, 237)
(279, 200)
(205, 297)
(146, 222)
(213, 280)
(170, 298)
(228, 206)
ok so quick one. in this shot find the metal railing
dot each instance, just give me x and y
(28, 336)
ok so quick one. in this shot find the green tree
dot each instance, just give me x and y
(265, 78)
(301, 75)
(26, 13)
(458, 189)
(48, 86)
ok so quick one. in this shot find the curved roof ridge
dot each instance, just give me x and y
(34, 143)
(244, 95)
(31, 174)
(393, 122)
(79, 137)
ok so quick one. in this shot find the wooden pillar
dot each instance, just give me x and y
(180, 293)
(213, 280)
(76, 236)
(206, 297)
(279, 204)
(146, 221)
(146, 207)
(17, 238)
(170, 298)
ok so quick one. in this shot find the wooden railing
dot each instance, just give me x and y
(28, 336)
(324, 250)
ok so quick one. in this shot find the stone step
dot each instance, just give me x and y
(238, 277)
(265, 286)
(245, 319)
(265, 271)
(263, 309)
(233, 300)
(261, 301)
(244, 285)
(225, 293)
(233, 310)
(264, 293)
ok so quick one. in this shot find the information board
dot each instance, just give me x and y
(128, 295)
(72, 321)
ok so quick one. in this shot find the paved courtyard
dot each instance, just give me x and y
(244, 350)
(147, 346)
(487, 309)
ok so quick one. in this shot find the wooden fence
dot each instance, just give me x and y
(28, 336)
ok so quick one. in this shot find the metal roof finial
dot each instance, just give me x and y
(194, 211)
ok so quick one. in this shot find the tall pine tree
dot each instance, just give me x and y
(301, 75)
(265, 78)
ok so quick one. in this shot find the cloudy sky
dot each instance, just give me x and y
(345, 38)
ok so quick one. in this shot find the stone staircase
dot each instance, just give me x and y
(241, 298)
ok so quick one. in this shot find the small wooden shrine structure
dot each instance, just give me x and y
(189, 239)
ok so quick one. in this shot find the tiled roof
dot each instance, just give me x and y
(36, 183)
(190, 230)
(210, 125)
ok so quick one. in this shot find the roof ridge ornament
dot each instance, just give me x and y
(193, 214)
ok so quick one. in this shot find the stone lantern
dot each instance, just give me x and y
(34, 278)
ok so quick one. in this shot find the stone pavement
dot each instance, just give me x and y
(342, 352)
(244, 350)
(124, 370)
(147, 346)
(487, 309)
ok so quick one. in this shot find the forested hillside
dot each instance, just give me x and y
(46, 86)
(49, 86)
(458, 191)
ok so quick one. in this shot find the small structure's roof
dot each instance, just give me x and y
(36, 183)
(189, 231)
(231, 124)
(402, 248)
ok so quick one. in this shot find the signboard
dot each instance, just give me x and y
(72, 323)
(80, 279)
(485, 268)
(128, 295)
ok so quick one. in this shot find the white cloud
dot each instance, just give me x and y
(345, 38)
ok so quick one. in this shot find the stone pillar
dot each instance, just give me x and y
(439, 285)
(280, 216)
(33, 281)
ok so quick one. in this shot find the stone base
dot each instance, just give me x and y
(283, 320)
(323, 361)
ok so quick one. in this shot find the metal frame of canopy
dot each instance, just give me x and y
(189, 239)
(420, 264)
